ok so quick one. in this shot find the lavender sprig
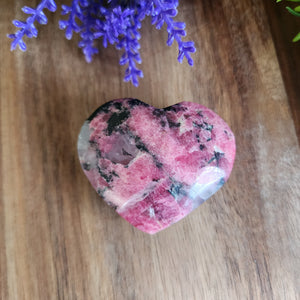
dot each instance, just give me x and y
(131, 54)
(116, 22)
(89, 24)
(163, 11)
(28, 28)
(70, 25)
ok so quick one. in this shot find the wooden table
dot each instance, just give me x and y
(59, 240)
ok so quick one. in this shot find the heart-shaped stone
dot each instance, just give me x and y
(154, 166)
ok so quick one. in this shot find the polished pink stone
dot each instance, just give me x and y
(154, 166)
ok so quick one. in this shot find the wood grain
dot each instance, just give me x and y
(283, 28)
(58, 239)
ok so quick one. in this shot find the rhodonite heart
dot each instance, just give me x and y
(154, 166)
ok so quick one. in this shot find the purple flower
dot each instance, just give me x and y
(116, 22)
(28, 28)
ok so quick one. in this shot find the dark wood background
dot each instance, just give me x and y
(59, 240)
